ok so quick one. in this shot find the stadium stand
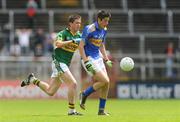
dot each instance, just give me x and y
(60, 18)
(158, 45)
(119, 23)
(41, 20)
(124, 43)
(4, 19)
(106, 4)
(63, 4)
(137, 27)
(173, 4)
(176, 23)
(150, 23)
(16, 4)
(144, 4)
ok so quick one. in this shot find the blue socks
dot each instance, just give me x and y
(88, 91)
(102, 103)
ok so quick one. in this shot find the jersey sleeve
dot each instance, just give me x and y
(85, 34)
(60, 36)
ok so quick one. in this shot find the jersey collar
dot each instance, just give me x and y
(71, 32)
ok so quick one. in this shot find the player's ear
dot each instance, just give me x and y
(70, 24)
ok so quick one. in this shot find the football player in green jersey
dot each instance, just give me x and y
(65, 45)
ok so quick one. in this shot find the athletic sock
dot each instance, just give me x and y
(36, 82)
(102, 103)
(71, 108)
(88, 91)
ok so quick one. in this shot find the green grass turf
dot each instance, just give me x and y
(121, 111)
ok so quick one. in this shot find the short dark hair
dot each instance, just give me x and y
(73, 17)
(103, 14)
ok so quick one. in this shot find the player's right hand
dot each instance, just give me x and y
(77, 40)
(89, 66)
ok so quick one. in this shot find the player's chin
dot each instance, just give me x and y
(77, 29)
(105, 26)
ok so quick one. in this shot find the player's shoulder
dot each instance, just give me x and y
(64, 31)
(91, 28)
(60, 33)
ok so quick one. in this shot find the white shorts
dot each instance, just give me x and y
(97, 63)
(58, 68)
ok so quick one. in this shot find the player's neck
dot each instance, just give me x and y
(73, 32)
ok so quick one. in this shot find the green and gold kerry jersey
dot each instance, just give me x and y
(65, 53)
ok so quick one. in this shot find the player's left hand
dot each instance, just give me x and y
(109, 63)
(77, 40)
(90, 67)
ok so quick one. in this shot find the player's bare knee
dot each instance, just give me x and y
(106, 82)
(73, 85)
(51, 93)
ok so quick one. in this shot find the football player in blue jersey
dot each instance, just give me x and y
(93, 52)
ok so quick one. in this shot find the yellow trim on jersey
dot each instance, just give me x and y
(71, 47)
(96, 42)
(72, 32)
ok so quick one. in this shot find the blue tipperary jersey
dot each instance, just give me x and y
(93, 36)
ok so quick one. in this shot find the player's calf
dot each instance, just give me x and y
(82, 98)
(72, 110)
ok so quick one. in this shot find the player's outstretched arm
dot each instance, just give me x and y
(60, 43)
(103, 51)
(105, 57)
(82, 52)
(88, 64)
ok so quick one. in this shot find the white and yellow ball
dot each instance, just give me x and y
(127, 64)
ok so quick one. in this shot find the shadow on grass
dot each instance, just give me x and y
(53, 115)
(48, 115)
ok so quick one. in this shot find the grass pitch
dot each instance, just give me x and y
(121, 111)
